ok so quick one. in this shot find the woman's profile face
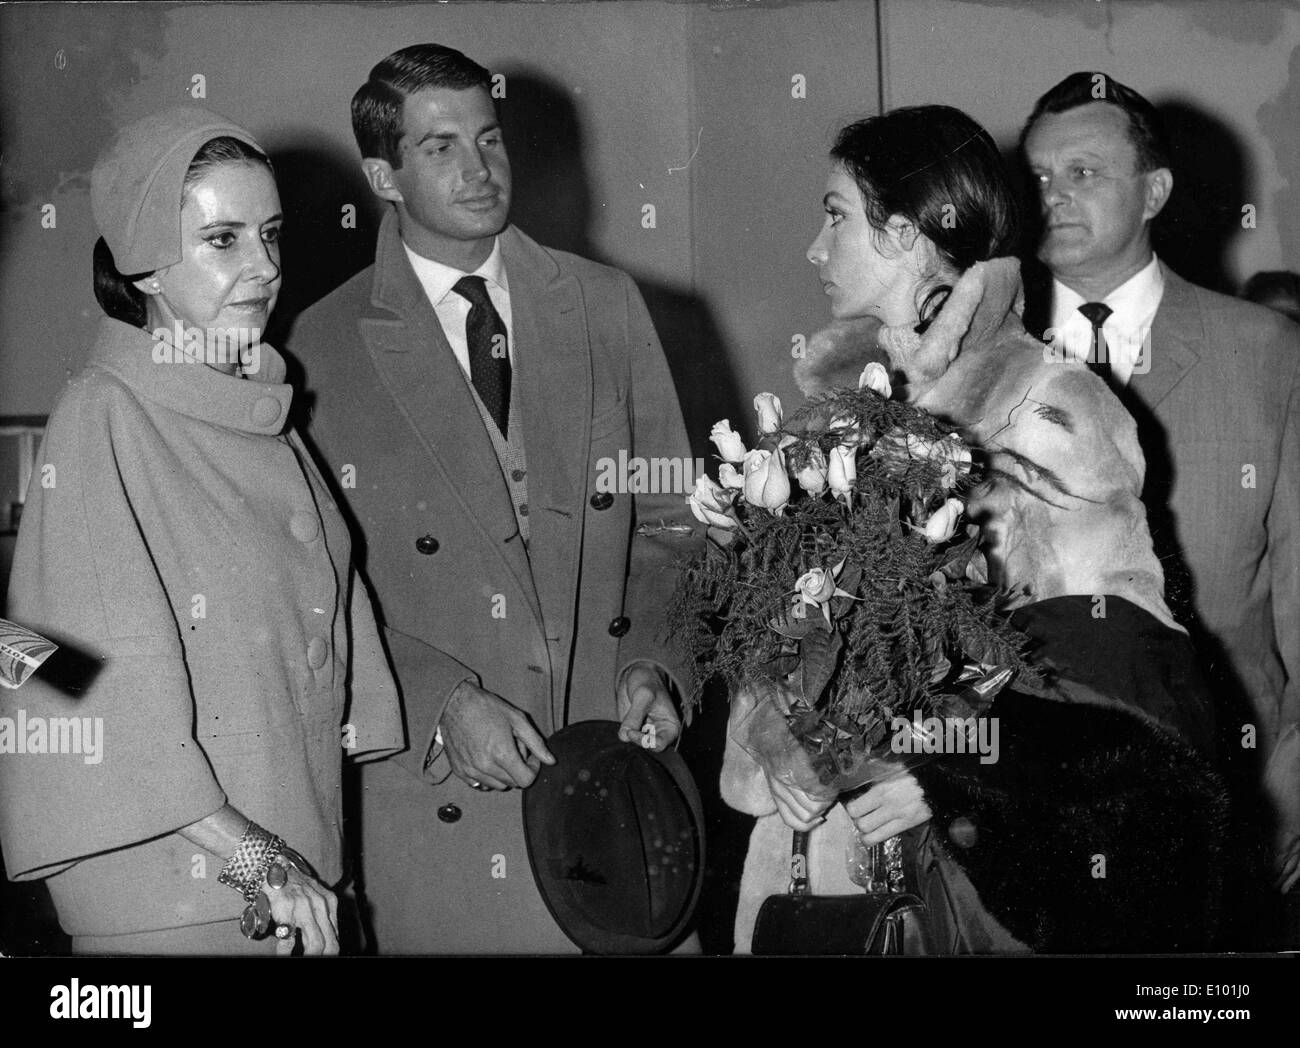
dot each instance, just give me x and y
(229, 276)
(857, 277)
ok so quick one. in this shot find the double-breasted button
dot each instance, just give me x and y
(426, 544)
(602, 500)
(963, 832)
(516, 475)
(317, 652)
(620, 626)
(265, 411)
(449, 813)
(304, 526)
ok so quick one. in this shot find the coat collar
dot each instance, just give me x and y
(258, 404)
(553, 368)
(1176, 335)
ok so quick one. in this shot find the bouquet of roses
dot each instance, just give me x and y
(842, 590)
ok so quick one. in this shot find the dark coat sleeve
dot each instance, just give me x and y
(1094, 830)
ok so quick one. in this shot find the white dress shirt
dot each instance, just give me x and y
(1127, 330)
(453, 310)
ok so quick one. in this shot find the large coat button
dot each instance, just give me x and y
(426, 544)
(620, 626)
(963, 832)
(265, 411)
(318, 651)
(304, 526)
(449, 813)
(602, 500)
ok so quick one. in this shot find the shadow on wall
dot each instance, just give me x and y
(1210, 163)
(331, 221)
(553, 205)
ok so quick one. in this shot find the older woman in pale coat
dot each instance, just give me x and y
(184, 552)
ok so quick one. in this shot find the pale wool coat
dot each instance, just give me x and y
(395, 421)
(181, 547)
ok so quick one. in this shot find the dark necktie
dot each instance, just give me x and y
(1099, 358)
(489, 355)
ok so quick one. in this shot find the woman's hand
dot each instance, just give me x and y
(797, 809)
(304, 904)
(888, 808)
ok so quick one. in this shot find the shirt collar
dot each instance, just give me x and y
(256, 404)
(1133, 304)
(438, 279)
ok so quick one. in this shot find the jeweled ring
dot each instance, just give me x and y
(283, 931)
(474, 784)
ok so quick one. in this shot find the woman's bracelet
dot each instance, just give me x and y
(246, 869)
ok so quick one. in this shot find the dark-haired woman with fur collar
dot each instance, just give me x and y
(1099, 826)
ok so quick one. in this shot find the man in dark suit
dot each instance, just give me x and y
(471, 387)
(1214, 384)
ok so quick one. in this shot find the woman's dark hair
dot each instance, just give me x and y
(377, 105)
(115, 292)
(939, 169)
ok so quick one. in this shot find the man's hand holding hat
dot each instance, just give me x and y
(645, 706)
(490, 743)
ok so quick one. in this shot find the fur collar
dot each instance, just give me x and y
(983, 300)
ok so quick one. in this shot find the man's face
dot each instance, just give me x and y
(453, 186)
(1096, 206)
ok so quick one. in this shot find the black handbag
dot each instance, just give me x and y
(880, 923)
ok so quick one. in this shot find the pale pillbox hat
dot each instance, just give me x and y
(135, 187)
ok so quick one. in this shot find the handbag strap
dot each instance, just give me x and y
(799, 863)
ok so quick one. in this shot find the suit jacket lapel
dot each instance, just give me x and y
(553, 371)
(1176, 335)
(416, 363)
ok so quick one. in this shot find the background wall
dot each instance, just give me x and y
(1225, 75)
(610, 106)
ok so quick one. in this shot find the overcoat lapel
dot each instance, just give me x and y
(411, 353)
(553, 367)
(1175, 336)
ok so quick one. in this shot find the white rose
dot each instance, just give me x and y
(768, 407)
(842, 469)
(729, 444)
(942, 524)
(875, 378)
(730, 476)
(711, 504)
(812, 478)
(766, 482)
(815, 586)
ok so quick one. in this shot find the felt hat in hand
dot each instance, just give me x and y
(615, 837)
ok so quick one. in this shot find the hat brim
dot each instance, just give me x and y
(590, 743)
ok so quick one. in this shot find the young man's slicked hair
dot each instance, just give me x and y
(377, 105)
(1145, 128)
